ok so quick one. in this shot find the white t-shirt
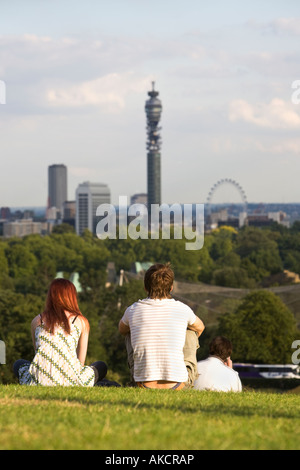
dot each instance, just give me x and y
(158, 330)
(215, 375)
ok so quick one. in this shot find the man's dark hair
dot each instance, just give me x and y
(220, 347)
(158, 281)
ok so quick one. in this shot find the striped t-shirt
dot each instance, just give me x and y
(158, 331)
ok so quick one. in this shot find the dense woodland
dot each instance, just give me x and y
(262, 327)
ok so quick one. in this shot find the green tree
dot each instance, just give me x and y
(206, 264)
(16, 313)
(6, 282)
(289, 248)
(44, 251)
(261, 329)
(222, 242)
(63, 228)
(261, 249)
(231, 276)
(22, 264)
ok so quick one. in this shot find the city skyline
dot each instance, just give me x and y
(76, 80)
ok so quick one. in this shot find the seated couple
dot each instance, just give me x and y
(161, 337)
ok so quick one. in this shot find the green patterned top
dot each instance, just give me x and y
(55, 361)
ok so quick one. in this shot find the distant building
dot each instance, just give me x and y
(259, 219)
(221, 218)
(57, 187)
(139, 198)
(280, 217)
(267, 219)
(69, 209)
(5, 213)
(69, 212)
(52, 214)
(23, 227)
(88, 197)
(111, 274)
(74, 278)
(139, 267)
(28, 214)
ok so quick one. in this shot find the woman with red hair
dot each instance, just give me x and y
(60, 339)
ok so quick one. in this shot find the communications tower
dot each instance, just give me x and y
(153, 108)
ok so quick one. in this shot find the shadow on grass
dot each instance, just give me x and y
(188, 402)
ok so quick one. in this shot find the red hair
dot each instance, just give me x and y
(61, 297)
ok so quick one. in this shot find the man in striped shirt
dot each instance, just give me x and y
(161, 335)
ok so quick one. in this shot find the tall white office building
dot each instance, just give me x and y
(88, 197)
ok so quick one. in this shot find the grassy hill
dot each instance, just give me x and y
(209, 301)
(135, 419)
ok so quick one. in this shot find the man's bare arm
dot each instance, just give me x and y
(123, 329)
(197, 326)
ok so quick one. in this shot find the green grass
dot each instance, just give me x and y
(128, 418)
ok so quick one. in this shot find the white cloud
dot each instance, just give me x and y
(279, 26)
(109, 91)
(291, 146)
(286, 25)
(33, 38)
(277, 114)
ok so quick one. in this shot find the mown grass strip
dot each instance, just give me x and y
(127, 418)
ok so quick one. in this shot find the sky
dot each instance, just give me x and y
(76, 76)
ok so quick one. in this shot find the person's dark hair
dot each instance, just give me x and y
(158, 281)
(220, 347)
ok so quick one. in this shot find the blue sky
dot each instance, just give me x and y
(77, 75)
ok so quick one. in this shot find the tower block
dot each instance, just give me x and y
(153, 108)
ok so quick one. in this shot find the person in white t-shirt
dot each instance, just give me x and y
(216, 372)
(161, 335)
